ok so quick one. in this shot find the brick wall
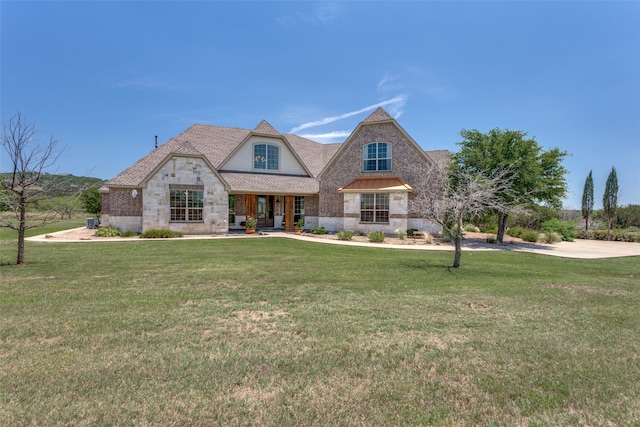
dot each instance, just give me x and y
(405, 162)
(121, 203)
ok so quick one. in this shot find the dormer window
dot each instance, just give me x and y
(266, 156)
(376, 157)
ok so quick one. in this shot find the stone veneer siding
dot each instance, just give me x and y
(397, 214)
(187, 171)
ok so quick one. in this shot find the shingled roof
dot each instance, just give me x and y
(380, 115)
(217, 143)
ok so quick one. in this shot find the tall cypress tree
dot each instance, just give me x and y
(610, 199)
(587, 199)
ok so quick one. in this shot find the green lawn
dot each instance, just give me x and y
(278, 332)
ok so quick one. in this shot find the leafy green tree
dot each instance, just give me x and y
(587, 200)
(539, 176)
(91, 201)
(628, 216)
(610, 199)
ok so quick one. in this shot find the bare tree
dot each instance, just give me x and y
(28, 158)
(447, 195)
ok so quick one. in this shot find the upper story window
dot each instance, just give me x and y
(376, 157)
(266, 156)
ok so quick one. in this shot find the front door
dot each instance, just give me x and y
(289, 202)
(265, 211)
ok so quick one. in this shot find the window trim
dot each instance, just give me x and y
(190, 211)
(231, 208)
(298, 208)
(376, 209)
(377, 159)
(268, 158)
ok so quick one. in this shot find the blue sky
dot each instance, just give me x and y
(105, 77)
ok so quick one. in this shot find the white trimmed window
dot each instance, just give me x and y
(266, 156)
(232, 209)
(374, 208)
(298, 208)
(186, 205)
(376, 157)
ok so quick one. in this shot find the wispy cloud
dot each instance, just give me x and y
(146, 82)
(340, 135)
(388, 83)
(395, 106)
(322, 13)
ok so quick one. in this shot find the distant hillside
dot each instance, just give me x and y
(67, 184)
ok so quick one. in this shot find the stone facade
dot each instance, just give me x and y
(398, 217)
(186, 171)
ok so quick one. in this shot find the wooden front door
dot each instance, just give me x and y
(251, 200)
(289, 205)
(265, 211)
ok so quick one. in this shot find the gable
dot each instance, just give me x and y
(379, 127)
(242, 159)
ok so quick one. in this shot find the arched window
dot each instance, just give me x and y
(266, 156)
(376, 157)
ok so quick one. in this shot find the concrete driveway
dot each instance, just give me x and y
(585, 249)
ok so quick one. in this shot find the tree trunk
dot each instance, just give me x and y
(21, 228)
(586, 223)
(502, 226)
(457, 239)
(609, 220)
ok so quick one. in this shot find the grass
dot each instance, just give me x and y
(269, 331)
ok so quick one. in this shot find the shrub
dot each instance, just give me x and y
(107, 232)
(400, 234)
(514, 231)
(345, 235)
(376, 236)
(470, 228)
(567, 229)
(529, 235)
(490, 230)
(160, 233)
(551, 237)
(617, 236)
(128, 233)
(318, 230)
(410, 231)
(428, 238)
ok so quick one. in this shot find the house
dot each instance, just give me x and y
(210, 178)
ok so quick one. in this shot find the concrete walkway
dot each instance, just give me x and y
(584, 249)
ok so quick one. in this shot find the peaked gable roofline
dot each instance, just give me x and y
(378, 116)
(265, 129)
(185, 153)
